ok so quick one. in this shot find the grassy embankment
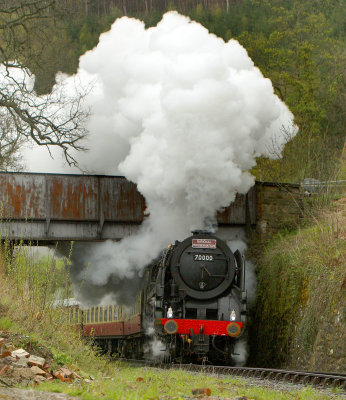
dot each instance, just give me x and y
(27, 288)
(301, 295)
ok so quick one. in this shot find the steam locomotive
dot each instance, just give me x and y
(195, 294)
(192, 301)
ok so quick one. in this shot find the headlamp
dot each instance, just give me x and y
(232, 316)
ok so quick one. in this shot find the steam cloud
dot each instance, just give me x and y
(250, 270)
(184, 115)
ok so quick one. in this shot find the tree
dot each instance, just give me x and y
(305, 63)
(50, 120)
(10, 142)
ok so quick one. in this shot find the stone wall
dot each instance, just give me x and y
(279, 206)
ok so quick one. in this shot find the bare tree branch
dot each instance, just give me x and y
(49, 120)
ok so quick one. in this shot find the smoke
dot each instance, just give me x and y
(154, 349)
(182, 114)
(157, 349)
(238, 244)
(241, 352)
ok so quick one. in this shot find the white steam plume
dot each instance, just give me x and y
(184, 115)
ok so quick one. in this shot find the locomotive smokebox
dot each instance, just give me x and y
(203, 266)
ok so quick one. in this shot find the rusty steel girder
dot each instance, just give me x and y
(50, 207)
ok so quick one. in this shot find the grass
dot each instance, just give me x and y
(301, 297)
(5, 323)
(158, 384)
(28, 290)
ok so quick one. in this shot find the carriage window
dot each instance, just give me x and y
(101, 314)
(110, 313)
(105, 314)
(96, 314)
(92, 315)
(88, 316)
(115, 314)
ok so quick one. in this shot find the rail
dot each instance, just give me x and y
(314, 378)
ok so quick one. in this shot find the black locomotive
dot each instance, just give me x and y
(195, 296)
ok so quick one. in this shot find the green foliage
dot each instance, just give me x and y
(61, 358)
(37, 280)
(5, 323)
(305, 63)
(29, 286)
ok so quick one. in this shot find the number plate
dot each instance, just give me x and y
(203, 257)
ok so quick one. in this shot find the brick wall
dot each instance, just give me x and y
(278, 206)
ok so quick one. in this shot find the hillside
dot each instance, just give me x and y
(301, 296)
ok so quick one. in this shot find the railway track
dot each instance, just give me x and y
(321, 379)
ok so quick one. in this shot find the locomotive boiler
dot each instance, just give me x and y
(194, 295)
